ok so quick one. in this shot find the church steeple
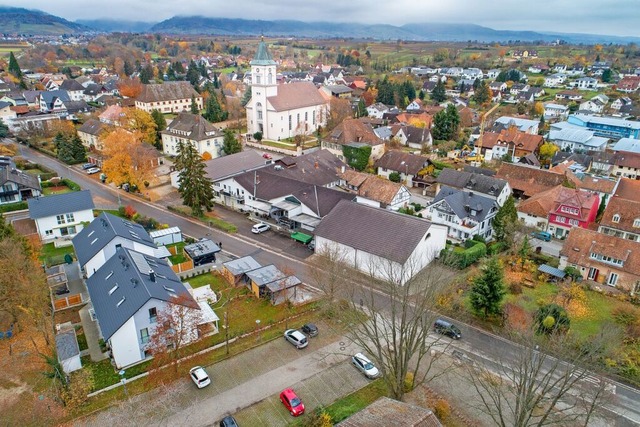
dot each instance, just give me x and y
(263, 56)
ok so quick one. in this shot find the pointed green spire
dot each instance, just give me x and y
(263, 56)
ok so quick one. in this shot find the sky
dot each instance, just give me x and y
(611, 17)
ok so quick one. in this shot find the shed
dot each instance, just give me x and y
(202, 252)
(234, 271)
(259, 278)
(68, 350)
(555, 273)
(166, 236)
(283, 290)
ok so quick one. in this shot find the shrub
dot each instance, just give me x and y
(515, 288)
(442, 409)
(72, 185)
(408, 382)
(395, 177)
(551, 318)
(18, 206)
(624, 315)
(129, 211)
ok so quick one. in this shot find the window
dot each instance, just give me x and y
(258, 79)
(144, 336)
(306, 116)
(48, 232)
(289, 122)
(153, 315)
(616, 218)
(70, 218)
(636, 223)
(561, 219)
(60, 219)
(613, 279)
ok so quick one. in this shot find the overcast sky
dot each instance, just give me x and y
(612, 17)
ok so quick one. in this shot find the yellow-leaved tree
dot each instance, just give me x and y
(135, 120)
(129, 160)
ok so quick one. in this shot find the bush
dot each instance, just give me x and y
(18, 206)
(515, 288)
(129, 211)
(442, 409)
(465, 258)
(495, 248)
(540, 259)
(72, 185)
(551, 318)
(625, 315)
(395, 177)
(408, 382)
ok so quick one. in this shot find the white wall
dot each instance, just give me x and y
(533, 221)
(71, 364)
(51, 224)
(109, 250)
(212, 146)
(125, 345)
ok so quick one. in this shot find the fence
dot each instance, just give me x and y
(183, 266)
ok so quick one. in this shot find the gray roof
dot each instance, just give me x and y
(282, 284)
(263, 56)
(201, 247)
(67, 345)
(24, 180)
(267, 274)
(380, 232)
(233, 164)
(57, 204)
(72, 85)
(102, 230)
(627, 144)
(241, 265)
(401, 161)
(552, 271)
(123, 285)
(522, 124)
(463, 203)
(49, 97)
(92, 127)
(476, 182)
(196, 127)
(319, 167)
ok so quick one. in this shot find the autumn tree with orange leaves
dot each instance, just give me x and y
(129, 88)
(129, 160)
(139, 121)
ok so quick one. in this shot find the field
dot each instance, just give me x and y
(16, 48)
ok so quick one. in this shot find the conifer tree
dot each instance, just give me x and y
(195, 187)
(487, 291)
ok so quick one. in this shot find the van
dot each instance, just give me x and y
(446, 328)
(542, 235)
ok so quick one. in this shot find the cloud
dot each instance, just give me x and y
(615, 17)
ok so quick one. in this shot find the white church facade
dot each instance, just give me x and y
(285, 110)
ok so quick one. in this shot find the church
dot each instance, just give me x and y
(285, 110)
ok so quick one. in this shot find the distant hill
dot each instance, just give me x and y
(15, 20)
(418, 32)
(117, 26)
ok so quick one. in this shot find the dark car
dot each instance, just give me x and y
(446, 328)
(228, 421)
(310, 330)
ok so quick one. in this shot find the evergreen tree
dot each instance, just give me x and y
(482, 94)
(194, 106)
(216, 82)
(385, 92)
(14, 68)
(504, 221)
(439, 92)
(487, 290)
(606, 75)
(421, 95)
(362, 109)
(446, 124)
(246, 97)
(146, 74)
(161, 124)
(195, 188)
(128, 68)
(193, 75)
(230, 144)
(213, 110)
(409, 90)
(71, 151)
(4, 129)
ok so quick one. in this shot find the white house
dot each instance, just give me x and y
(74, 89)
(573, 138)
(282, 111)
(375, 191)
(387, 245)
(195, 130)
(377, 110)
(555, 80)
(464, 213)
(585, 83)
(555, 111)
(493, 73)
(61, 215)
(128, 293)
(593, 105)
(98, 241)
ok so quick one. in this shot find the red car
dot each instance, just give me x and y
(266, 156)
(292, 402)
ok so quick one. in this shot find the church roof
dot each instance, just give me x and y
(263, 56)
(296, 95)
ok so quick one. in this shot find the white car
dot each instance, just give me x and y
(364, 365)
(93, 170)
(199, 376)
(297, 338)
(260, 228)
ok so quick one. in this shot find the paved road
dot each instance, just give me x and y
(269, 248)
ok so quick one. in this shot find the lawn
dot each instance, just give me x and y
(104, 374)
(179, 256)
(52, 255)
(356, 401)
(60, 189)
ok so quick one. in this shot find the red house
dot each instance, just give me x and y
(572, 208)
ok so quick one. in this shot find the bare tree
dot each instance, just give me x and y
(327, 270)
(529, 387)
(396, 330)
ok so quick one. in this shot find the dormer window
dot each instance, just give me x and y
(616, 218)
(636, 223)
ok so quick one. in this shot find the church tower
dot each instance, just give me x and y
(263, 85)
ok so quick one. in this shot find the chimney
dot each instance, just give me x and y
(152, 275)
(315, 165)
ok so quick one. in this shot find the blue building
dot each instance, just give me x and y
(608, 127)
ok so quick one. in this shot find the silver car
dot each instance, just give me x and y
(364, 365)
(297, 338)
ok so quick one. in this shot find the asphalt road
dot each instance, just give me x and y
(271, 248)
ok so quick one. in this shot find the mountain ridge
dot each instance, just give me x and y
(17, 20)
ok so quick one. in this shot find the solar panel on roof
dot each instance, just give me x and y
(140, 261)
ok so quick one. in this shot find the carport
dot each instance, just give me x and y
(555, 273)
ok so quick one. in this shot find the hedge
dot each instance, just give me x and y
(464, 259)
(10, 207)
(357, 157)
(72, 185)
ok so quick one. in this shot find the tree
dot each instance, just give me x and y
(146, 74)
(395, 177)
(213, 110)
(504, 220)
(446, 124)
(230, 143)
(194, 106)
(71, 151)
(551, 318)
(161, 124)
(482, 94)
(195, 187)
(193, 75)
(547, 151)
(129, 160)
(601, 208)
(439, 92)
(525, 250)
(339, 110)
(127, 68)
(129, 87)
(176, 326)
(140, 122)
(487, 291)
(246, 97)
(4, 129)
(362, 109)
(525, 386)
(14, 67)
(607, 75)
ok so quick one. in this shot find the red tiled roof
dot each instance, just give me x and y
(529, 180)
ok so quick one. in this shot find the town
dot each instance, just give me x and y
(444, 233)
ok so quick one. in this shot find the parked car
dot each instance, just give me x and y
(542, 235)
(91, 171)
(312, 245)
(446, 328)
(292, 402)
(310, 330)
(267, 156)
(260, 228)
(228, 421)
(199, 376)
(364, 365)
(88, 166)
(295, 337)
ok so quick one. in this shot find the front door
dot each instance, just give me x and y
(593, 274)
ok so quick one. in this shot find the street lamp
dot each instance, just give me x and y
(258, 330)
(123, 380)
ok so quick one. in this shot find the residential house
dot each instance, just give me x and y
(518, 88)
(17, 186)
(282, 111)
(499, 86)
(61, 215)
(628, 84)
(375, 191)
(54, 102)
(583, 160)
(168, 97)
(555, 111)
(608, 127)
(193, 129)
(603, 187)
(555, 80)
(538, 68)
(128, 292)
(575, 138)
(627, 145)
(472, 73)
(510, 143)
(412, 136)
(112, 115)
(560, 68)
(569, 95)
(603, 258)
(353, 133)
(74, 89)
(493, 73)
(621, 102)
(388, 245)
(99, 241)
(626, 164)
(594, 105)
(90, 134)
(526, 53)
(338, 91)
(576, 70)
(524, 125)
(413, 169)
(475, 180)
(464, 212)
(527, 181)
(377, 110)
(621, 218)
(585, 83)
